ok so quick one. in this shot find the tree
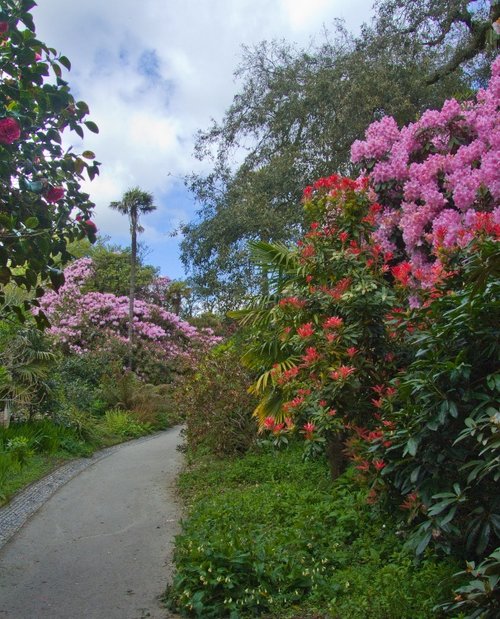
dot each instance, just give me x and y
(461, 29)
(39, 179)
(292, 122)
(133, 204)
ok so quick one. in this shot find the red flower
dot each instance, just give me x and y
(269, 423)
(343, 372)
(343, 236)
(308, 251)
(311, 355)
(309, 428)
(411, 501)
(295, 403)
(288, 375)
(4, 27)
(334, 322)
(352, 351)
(10, 130)
(322, 403)
(332, 412)
(379, 464)
(402, 272)
(306, 330)
(363, 466)
(54, 194)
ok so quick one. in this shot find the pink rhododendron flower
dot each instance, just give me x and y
(431, 175)
(10, 131)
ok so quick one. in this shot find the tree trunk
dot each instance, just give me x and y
(133, 261)
(335, 455)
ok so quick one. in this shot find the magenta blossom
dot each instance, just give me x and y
(10, 131)
(54, 194)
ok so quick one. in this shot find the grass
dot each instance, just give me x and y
(31, 450)
(269, 535)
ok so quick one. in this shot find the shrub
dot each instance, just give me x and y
(216, 405)
(122, 424)
(443, 451)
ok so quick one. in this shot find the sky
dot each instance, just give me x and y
(154, 73)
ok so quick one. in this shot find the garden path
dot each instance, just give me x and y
(100, 547)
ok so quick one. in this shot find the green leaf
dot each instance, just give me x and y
(424, 543)
(91, 126)
(65, 62)
(411, 446)
(88, 154)
(31, 222)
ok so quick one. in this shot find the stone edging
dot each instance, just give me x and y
(28, 501)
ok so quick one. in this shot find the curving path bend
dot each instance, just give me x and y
(100, 547)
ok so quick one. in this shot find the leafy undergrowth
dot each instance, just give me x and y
(269, 535)
(30, 450)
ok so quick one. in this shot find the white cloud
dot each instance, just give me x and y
(155, 72)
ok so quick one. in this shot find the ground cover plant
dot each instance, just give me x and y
(268, 535)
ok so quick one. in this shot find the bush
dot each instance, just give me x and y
(216, 405)
(122, 424)
(443, 453)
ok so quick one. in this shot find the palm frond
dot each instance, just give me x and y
(271, 405)
(274, 256)
(266, 378)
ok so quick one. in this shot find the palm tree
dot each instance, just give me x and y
(133, 203)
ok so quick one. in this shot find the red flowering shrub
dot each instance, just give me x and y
(321, 343)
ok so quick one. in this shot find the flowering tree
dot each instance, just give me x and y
(437, 179)
(40, 182)
(87, 321)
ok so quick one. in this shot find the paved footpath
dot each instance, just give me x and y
(100, 547)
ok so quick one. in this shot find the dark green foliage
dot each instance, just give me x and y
(112, 272)
(446, 444)
(480, 597)
(34, 229)
(26, 363)
(269, 534)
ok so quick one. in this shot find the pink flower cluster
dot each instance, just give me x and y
(434, 175)
(83, 320)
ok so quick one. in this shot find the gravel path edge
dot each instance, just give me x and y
(28, 501)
